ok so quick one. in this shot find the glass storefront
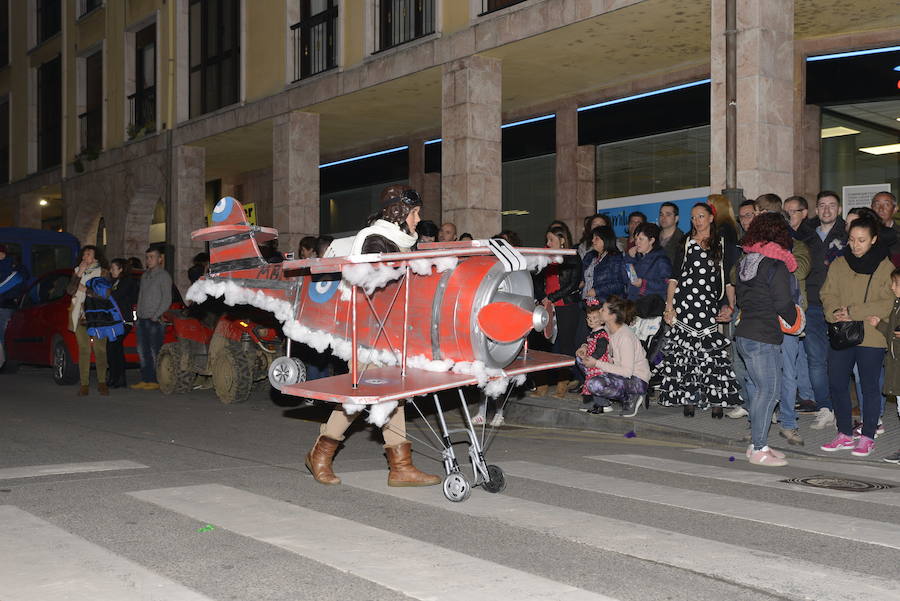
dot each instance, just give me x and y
(529, 197)
(345, 212)
(674, 160)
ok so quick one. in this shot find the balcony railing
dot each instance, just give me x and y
(315, 50)
(400, 21)
(142, 111)
(91, 130)
(489, 6)
(86, 6)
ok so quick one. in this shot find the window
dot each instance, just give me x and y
(91, 120)
(47, 289)
(48, 257)
(4, 32)
(214, 53)
(4, 140)
(49, 113)
(86, 6)
(142, 104)
(48, 19)
(489, 6)
(315, 49)
(400, 21)
(529, 197)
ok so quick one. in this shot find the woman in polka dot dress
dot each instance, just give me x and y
(696, 369)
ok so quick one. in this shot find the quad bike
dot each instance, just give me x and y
(232, 346)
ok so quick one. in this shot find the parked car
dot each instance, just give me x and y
(38, 332)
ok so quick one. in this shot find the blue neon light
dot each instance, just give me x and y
(364, 156)
(826, 57)
(435, 141)
(645, 94)
(897, 68)
(532, 120)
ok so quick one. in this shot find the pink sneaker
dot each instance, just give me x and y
(765, 457)
(863, 447)
(841, 442)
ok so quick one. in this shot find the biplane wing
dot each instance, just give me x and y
(381, 384)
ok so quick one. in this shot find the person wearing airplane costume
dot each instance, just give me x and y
(392, 229)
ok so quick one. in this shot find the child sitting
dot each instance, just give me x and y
(595, 346)
(625, 375)
(890, 328)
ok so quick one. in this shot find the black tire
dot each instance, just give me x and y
(65, 371)
(232, 374)
(497, 482)
(9, 367)
(172, 371)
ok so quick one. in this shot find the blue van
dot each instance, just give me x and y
(40, 250)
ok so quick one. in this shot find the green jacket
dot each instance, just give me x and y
(892, 357)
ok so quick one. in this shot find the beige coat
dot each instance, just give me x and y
(845, 288)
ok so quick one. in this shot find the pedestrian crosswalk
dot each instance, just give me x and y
(36, 471)
(44, 562)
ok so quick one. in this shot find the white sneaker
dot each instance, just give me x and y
(824, 418)
(737, 413)
(497, 421)
(765, 457)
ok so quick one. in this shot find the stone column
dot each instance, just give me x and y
(418, 181)
(28, 212)
(586, 183)
(567, 208)
(765, 97)
(186, 211)
(471, 157)
(295, 178)
(431, 196)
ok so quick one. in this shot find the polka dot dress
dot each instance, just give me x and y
(696, 368)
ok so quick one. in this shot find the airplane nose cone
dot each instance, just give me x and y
(540, 318)
(506, 322)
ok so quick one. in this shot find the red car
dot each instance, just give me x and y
(38, 332)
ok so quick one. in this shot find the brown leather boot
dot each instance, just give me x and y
(83, 391)
(103, 389)
(403, 472)
(542, 390)
(561, 389)
(318, 460)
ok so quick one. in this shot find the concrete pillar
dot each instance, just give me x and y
(418, 181)
(186, 211)
(471, 145)
(295, 178)
(28, 213)
(575, 198)
(765, 97)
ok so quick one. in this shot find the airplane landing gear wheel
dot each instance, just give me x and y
(456, 487)
(497, 482)
(285, 371)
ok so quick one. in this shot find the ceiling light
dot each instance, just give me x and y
(833, 132)
(43, 202)
(886, 149)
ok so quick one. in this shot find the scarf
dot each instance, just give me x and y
(75, 309)
(389, 230)
(869, 262)
(773, 251)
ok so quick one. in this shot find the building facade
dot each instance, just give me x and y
(124, 120)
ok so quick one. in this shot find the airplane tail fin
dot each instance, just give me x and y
(233, 242)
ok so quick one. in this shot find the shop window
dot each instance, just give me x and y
(314, 38)
(675, 160)
(48, 18)
(91, 120)
(49, 113)
(400, 21)
(214, 54)
(860, 145)
(142, 103)
(489, 6)
(529, 197)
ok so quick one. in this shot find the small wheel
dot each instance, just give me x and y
(285, 371)
(497, 481)
(456, 487)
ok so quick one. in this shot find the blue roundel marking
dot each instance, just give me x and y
(323, 290)
(222, 209)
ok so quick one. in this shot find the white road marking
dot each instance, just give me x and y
(42, 562)
(768, 478)
(429, 571)
(818, 522)
(775, 574)
(852, 470)
(34, 471)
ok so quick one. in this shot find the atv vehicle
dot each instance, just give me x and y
(233, 345)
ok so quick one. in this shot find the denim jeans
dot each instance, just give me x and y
(868, 360)
(804, 386)
(149, 340)
(791, 356)
(763, 363)
(817, 348)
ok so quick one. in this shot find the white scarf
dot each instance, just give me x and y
(75, 309)
(389, 230)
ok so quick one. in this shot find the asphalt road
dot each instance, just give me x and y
(143, 496)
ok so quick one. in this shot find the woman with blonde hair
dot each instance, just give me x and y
(726, 224)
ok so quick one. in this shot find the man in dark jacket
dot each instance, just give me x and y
(12, 282)
(671, 238)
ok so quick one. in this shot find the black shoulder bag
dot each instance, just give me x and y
(845, 334)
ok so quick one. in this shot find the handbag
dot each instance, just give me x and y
(846, 334)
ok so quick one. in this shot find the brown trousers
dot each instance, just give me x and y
(84, 356)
